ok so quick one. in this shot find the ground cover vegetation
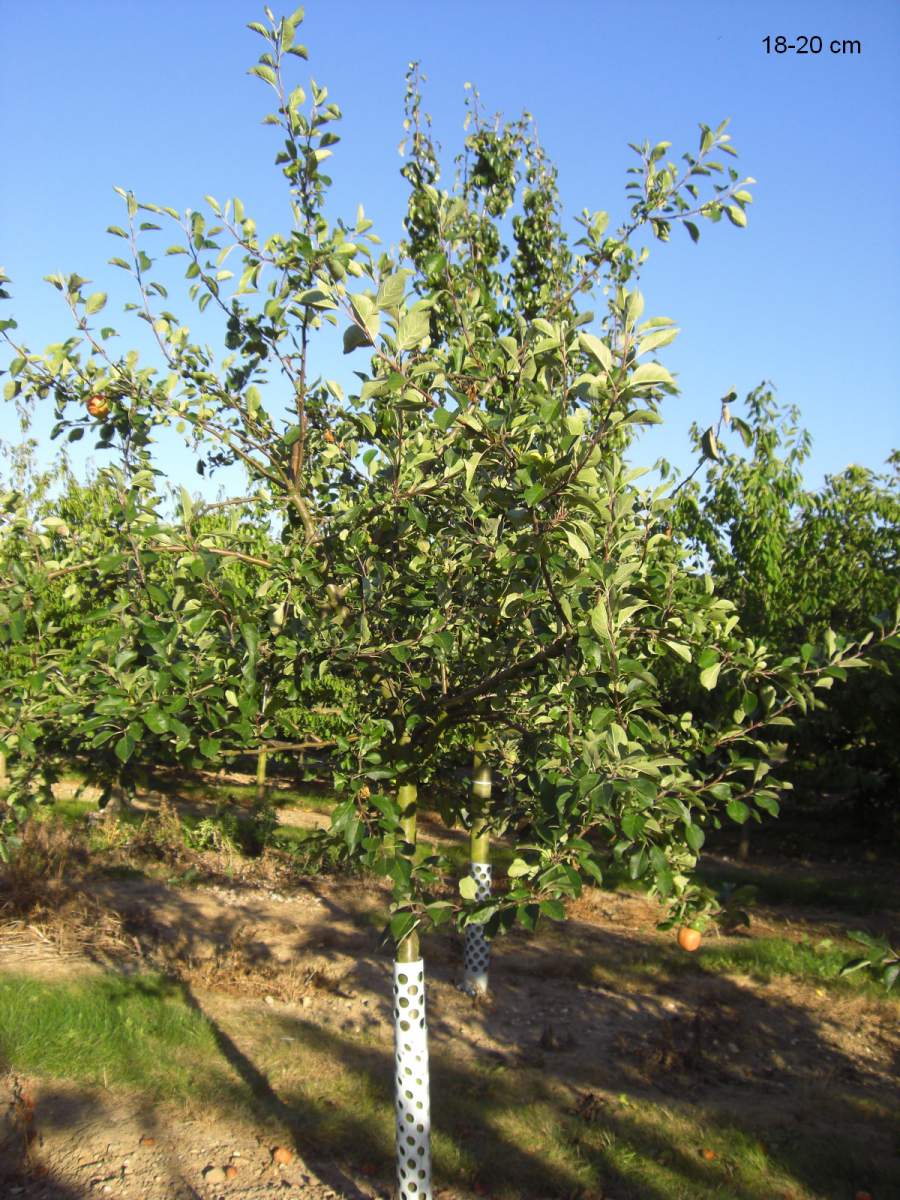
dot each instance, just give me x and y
(455, 555)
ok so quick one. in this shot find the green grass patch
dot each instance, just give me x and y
(243, 795)
(72, 812)
(134, 1031)
(291, 837)
(768, 958)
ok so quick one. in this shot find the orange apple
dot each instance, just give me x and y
(688, 938)
(97, 406)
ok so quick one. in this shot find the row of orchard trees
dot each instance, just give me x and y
(458, 546)
(798, 562)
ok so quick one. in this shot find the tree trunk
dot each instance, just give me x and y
(4, 778)
(412, 1103)
(262, 760)
(744, 843)
(477, 948)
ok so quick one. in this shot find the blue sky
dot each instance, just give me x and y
(155, 97)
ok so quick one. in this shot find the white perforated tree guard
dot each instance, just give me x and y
(477, 954)
(412, 1100)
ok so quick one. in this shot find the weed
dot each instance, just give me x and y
(46, 868)
(161, 834)
(217, 833)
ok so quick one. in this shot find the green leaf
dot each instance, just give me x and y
(577, 544)
(468, 888)
(737, 811)
(768, 803)
(392, 290)
(264, 72)
(95, 303)
(650, 373)
(736, 215)
(709, 676)
(413, 328)
(600, 620)
(156, 720)
(695, 837)
(402, 925)
(124, 748)
(679, 648)
(597, 349)
(471, 466)
(354, 337)
(662, 337)
(187, 506)
(518, 868)
(710, 446)
(439, 912)
(554, 909)
(250, 634)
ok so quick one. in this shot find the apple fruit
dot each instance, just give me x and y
(689, 939)
(97, 406)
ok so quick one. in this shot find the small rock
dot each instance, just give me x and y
(305, 1002)
(270, 999)
(148, 1142)
(281, 1156)
(231, 1171)
(213, 1175)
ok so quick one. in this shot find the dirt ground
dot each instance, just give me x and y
(577, 1003)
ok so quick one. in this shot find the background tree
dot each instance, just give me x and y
(798, 563)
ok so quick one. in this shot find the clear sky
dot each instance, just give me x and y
(155, 97)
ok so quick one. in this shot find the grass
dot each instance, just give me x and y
(134, 1031)
(72, 812)
(291, 837)
(767, 958)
